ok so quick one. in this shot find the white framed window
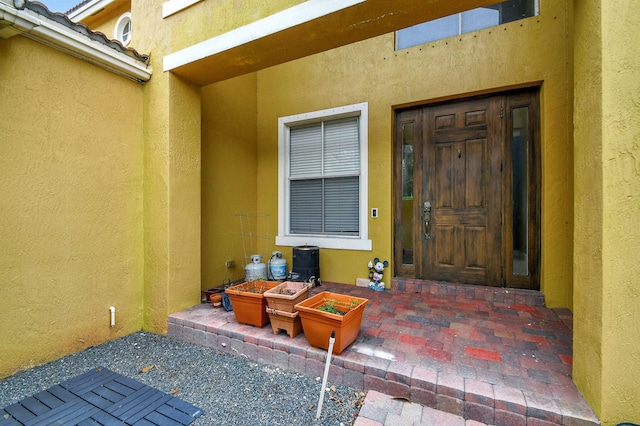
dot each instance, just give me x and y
(323, 178)
(122, 32)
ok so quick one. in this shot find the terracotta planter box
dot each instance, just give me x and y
(285, 296)
(317, 325)
(287, 321)
(249, 303)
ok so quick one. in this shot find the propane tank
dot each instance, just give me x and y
(277, 266)
(256, 269)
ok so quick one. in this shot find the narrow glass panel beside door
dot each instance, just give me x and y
(520, 144)
(407, 193)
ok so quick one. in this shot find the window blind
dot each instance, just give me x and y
(324, 181)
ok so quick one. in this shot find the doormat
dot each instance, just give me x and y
(100, 397)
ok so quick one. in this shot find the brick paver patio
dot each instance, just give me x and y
(494, 356)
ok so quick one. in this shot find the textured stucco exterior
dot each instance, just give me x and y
(607, 238)
(230, 163)
(171, 134)
(71, 179)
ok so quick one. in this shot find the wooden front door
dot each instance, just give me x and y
(456, 188)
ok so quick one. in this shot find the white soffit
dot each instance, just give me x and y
(288, 18)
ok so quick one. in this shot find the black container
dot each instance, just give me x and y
(306, 263)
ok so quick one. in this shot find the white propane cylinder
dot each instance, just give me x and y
(278, 266)
(256, 269)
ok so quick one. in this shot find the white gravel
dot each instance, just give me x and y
(231, 389)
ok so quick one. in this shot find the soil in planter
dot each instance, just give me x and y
(286, 295)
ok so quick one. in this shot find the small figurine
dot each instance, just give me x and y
(376, 271)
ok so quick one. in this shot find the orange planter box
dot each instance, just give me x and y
(248, 302)
(287, 321)
(317, 325)
(277, 297)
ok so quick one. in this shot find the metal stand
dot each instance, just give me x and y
(250, 223)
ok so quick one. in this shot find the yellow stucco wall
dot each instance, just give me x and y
(70, 204)
(524, 52)
(207, 19)
(229, 151)
(171, 135)
(607, 238)
(621, 211)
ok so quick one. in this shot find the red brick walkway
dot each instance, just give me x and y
(493, 356)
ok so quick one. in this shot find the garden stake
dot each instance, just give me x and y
(332, 340)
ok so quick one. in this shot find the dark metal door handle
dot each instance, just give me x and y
(426, 214)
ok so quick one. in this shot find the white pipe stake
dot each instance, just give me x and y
(112, 309)
(332, 340)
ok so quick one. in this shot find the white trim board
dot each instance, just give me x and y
(174, 6)
(288, 18)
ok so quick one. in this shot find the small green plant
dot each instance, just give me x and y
(338, 307)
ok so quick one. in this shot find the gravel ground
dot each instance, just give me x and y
(232, 390)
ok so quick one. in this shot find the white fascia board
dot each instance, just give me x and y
(88, 9)
(60, 37)
(174, 6)
(288, 18)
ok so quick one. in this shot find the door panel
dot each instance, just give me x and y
(458, 177)
(456, 222)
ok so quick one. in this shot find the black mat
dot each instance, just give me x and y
(100, 397)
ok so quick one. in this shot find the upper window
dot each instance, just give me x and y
(323, 179)
(122, 31)
(460, 23)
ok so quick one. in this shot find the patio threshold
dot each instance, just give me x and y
(495, 356)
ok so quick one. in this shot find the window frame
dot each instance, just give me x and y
(284, 237)
(121, 24)
(459, 30)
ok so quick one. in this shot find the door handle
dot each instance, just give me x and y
(426, 214)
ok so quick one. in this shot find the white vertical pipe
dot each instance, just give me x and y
(332, 340)
(112, 309)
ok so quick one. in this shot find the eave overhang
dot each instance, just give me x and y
(45, 27)
(308, 28)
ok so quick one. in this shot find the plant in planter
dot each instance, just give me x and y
(326, 312)
(249, 303)
(337, 307)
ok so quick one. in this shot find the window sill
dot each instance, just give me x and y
(324, 242)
